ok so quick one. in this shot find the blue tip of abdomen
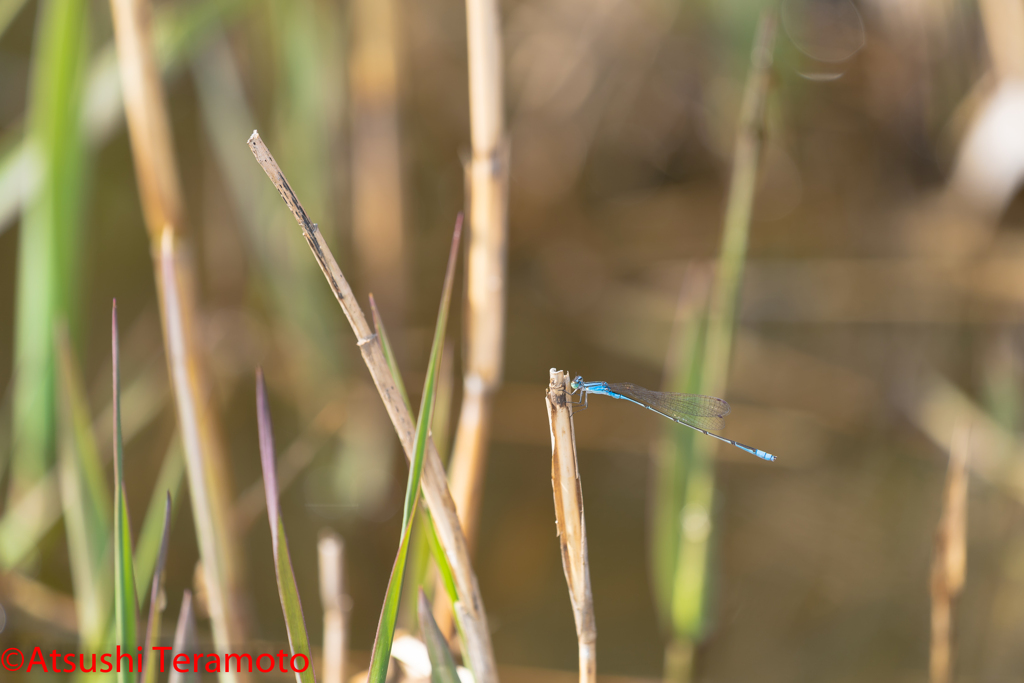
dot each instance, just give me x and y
(764, 455)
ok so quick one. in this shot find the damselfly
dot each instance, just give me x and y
(702, 413)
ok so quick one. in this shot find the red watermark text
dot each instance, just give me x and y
(14, 659)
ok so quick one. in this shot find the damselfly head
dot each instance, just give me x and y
(576, 383)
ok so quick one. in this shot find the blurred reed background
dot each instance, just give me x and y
(824, 228)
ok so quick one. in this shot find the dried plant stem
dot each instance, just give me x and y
(1004, 32)
(434, 482)
(487, 184)
(572, 527)
(331, 552)
(157, 178)
(949, 565)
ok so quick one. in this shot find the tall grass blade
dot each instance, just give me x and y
(156, 606)
(158, 182)
(125, 606)
(432, 542)
(184, 639)
(168, 481)
(684, 521)
(286, 587)
(435, 484)
(48, 248)
(381, 652)
(442, 665)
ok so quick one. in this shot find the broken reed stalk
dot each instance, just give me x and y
(331, 553)
(157, 178)
(569, 520)
(487, 185)
(949, 565)
(434, 482)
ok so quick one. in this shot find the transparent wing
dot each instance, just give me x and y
(703, 412)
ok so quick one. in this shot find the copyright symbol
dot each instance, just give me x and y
(10, 656)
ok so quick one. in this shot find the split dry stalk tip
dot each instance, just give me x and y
(434, 481)
(572, 527)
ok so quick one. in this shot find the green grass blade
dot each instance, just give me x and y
(381, 652)
(442, 665)
(295, 623)
(155, 604)
(125, 606)
(683, 560)
(85, 500)
(48, 253)
(436, 551)
(147, 550)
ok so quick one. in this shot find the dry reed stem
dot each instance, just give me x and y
(211, 529)
(487, 185)
(157, 178)
(331, 553)
(377, 216)
(434, 483)
(1003, 21)
(949, 565)
(146, 111)
(572, 527)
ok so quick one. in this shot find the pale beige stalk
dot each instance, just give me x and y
(377, 216)
(1003, 21)
(331, 553)
(157, 178)
(434, 482)
(487, 186)
(569, 520)
(949, 565)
